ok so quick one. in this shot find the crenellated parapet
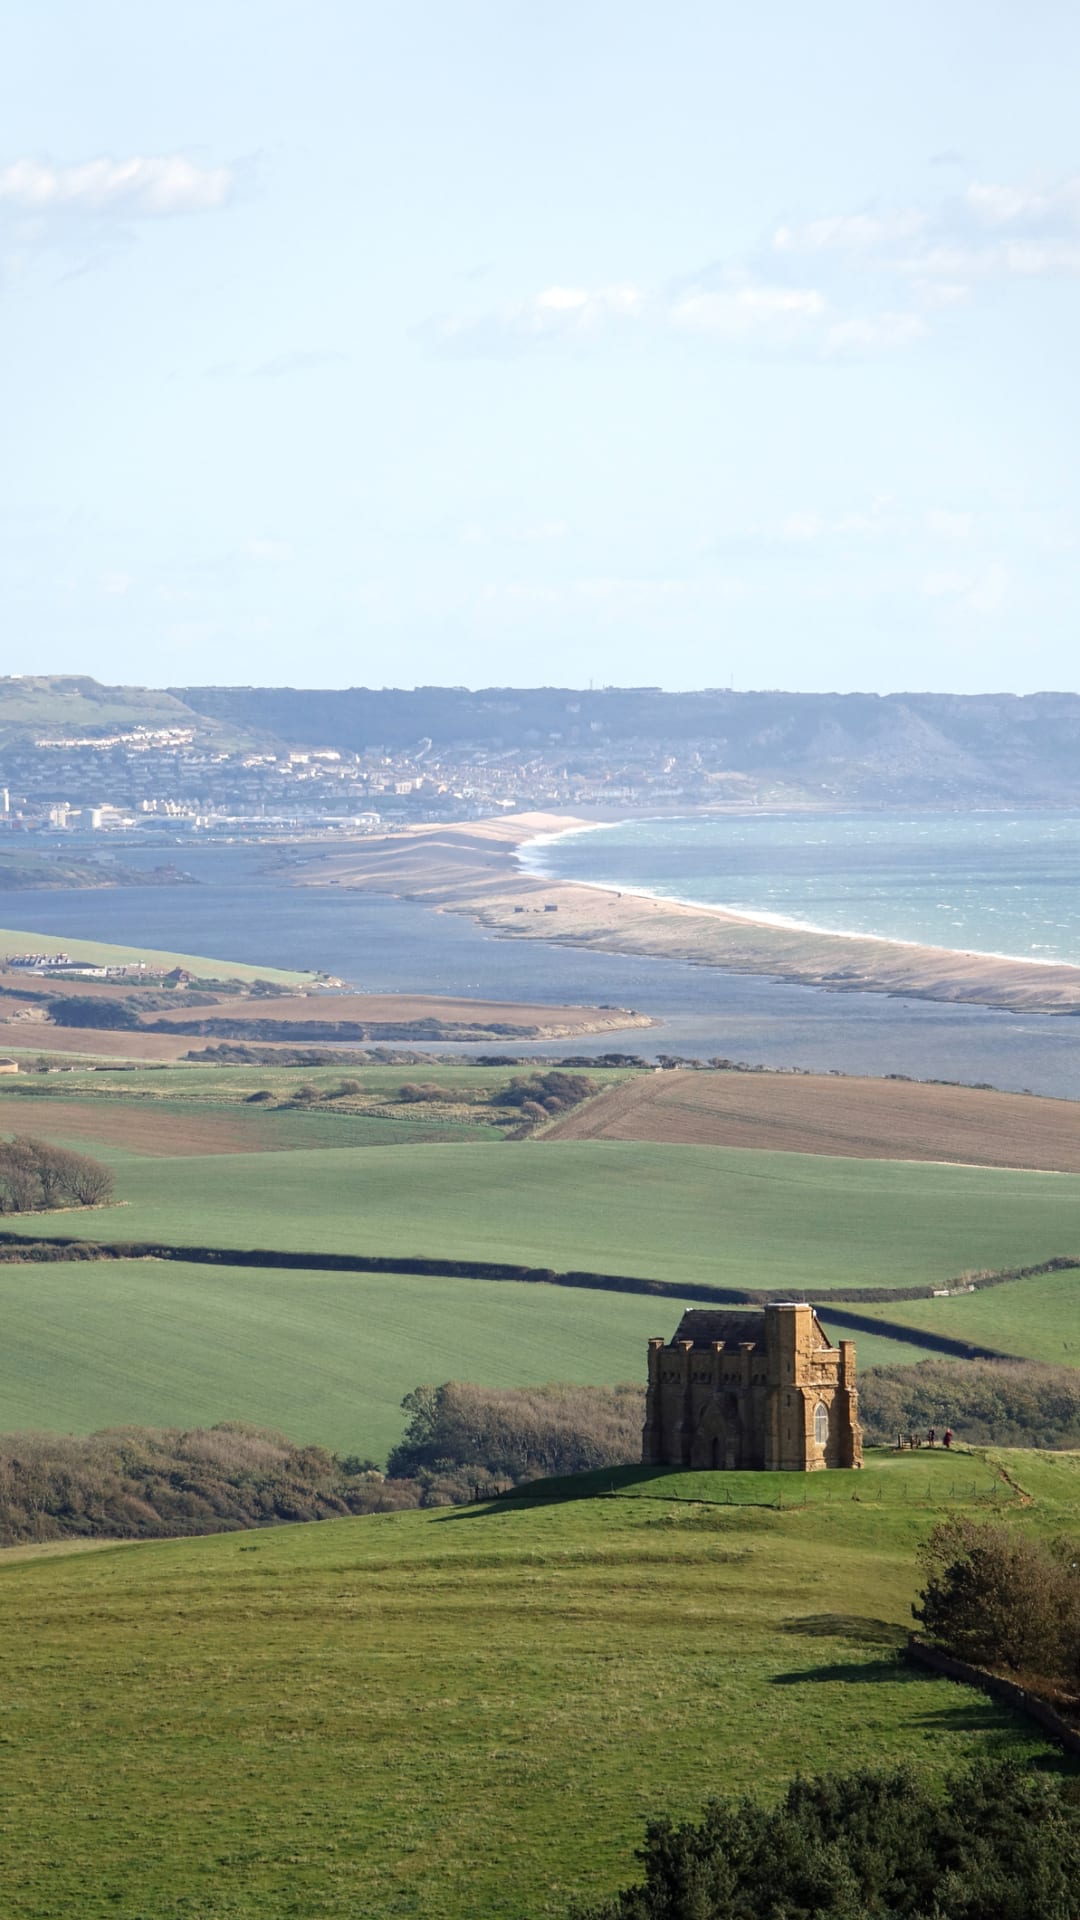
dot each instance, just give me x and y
(761, 1388)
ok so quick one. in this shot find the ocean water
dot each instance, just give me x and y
(240, 912)
(987, 882)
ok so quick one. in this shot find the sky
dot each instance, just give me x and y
(484, 342)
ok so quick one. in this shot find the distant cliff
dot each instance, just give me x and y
(900, 749)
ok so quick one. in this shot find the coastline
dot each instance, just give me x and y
(472, 867)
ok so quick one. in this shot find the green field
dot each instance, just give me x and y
(793, 1222)
(99, 953)
(319, 1356)
(466, 1711)
(1037, 1318)
(263, 1101)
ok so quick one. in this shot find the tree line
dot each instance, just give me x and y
(36, 1177)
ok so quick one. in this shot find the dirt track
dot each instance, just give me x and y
(854, 1119)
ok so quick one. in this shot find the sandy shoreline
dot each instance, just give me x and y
(472, 868)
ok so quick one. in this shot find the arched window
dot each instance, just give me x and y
(821, 1424)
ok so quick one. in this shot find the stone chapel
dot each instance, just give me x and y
(742, 1388)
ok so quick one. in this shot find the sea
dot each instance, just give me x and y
(985, 882)
(241, 909)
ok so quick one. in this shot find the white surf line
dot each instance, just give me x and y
(762, 918)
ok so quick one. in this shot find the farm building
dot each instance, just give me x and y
(747, 1388)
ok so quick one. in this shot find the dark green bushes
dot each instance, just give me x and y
(542, 1095)
(998, 1599)
(1003, 1403)
(140, 1482)
(80, 1010)
(1000, 1843)
(458, 1431)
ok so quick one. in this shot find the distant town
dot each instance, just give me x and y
(170, 781)
(78, 758)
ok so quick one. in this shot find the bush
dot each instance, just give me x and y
(540, 1095)
(80, 1011)
(1002, 1403)
(426, 1091)
(1000, 1843)
(143, 1482)
(998, 1599)
(517, 1433)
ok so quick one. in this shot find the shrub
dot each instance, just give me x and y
(544, 1094)
(517, 1433)
(427, 1091)
(1000, 1843)
(80, 1011)
(140, 1482)
(1000, 1599)
(1001, 1403)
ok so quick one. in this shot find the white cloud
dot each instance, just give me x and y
(259, 547)
(849, 233)
(1054, 210)
(116, 584)
(748, 312)
(144, 186)
(988, 230)
(556, 312)
(923, 261)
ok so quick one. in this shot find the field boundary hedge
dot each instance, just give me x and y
(21, 1249)
(920, 1653)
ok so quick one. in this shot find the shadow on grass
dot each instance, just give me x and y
(847, 1673)
(865, 1632)
(604, 1483)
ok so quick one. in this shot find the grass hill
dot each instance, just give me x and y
(67, 704)
(100, 953)
(470, 1710)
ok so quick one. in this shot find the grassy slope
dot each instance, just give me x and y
(1038, 1318)
(99, 953)
(465, 1711)
(790, 1221)
(323, 1357)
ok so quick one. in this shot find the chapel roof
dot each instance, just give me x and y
(734, 1326)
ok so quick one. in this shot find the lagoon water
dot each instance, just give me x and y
(240, 912)
(983, 882)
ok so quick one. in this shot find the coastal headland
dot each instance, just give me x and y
(472, 868)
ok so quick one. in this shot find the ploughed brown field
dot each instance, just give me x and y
(140, 1127)
(92, 1043)
(819, 1113)
(402, 1009)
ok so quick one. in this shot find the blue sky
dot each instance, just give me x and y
(481, 342)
